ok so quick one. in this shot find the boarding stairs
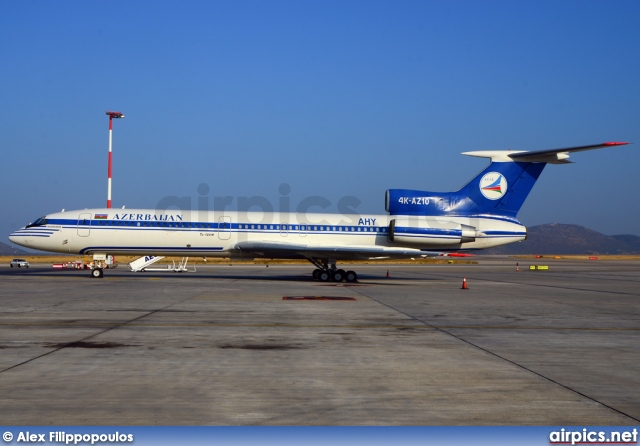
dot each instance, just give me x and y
(143, 263)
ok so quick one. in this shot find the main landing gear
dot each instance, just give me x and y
(327, 272)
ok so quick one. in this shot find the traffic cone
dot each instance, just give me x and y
(464, 284)
(388, 274)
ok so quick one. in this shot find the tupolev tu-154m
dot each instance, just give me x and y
(482, 214)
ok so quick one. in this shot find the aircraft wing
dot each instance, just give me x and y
(352, 252)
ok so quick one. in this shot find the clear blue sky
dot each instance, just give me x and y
(332, 98)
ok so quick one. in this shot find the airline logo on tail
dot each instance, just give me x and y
(493, 185)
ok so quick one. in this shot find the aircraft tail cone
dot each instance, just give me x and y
(464, 284)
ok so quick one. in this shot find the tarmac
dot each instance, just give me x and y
(222, 345)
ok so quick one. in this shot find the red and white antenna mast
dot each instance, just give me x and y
(111, 116)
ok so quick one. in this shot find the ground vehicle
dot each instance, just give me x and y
(19, 263)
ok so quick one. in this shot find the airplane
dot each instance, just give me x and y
(482, 214)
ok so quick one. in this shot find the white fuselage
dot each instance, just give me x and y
(260, 234)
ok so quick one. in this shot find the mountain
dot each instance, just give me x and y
(556, 238)
(7, 250)
(632, 241)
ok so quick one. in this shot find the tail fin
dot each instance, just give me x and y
(500, 189)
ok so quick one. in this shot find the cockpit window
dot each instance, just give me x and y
(39, 222)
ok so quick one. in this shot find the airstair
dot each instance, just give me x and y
(143, 264)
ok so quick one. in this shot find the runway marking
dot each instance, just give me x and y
(345, 285)
(445, 330)
(77, 324)
(213, 324)
(317, 298)
(543, 285)
(515, 327)
(86, 338)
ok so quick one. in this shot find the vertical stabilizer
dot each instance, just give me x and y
(500, 189)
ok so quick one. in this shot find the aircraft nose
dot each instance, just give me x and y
(15, 238)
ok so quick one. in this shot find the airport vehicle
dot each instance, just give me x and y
(482, 214)
(19, 263)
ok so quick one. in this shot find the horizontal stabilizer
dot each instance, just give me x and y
(552, 156)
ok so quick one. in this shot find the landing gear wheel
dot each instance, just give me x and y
(316, 273)
(97, 273)
(338, 275)
(351, 276)
(325, 276)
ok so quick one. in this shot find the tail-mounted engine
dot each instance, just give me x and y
(404, 231)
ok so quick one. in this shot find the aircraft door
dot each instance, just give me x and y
(224, 228)
(84, 224)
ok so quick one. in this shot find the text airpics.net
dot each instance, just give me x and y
(589, 436)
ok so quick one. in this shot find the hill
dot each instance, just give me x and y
(556, 238)
(632, 241)
(7, 250)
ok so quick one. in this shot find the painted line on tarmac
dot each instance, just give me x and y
(153, 325)
(447, 332)
(109, 327)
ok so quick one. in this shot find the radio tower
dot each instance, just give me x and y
(111, 116)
